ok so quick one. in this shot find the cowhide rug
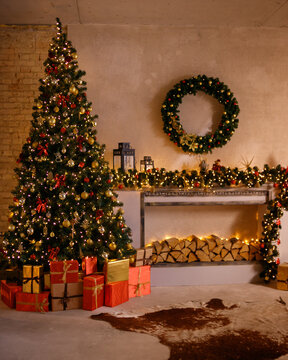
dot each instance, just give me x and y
(214, 331)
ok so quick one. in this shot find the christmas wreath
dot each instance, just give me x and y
(193, 143)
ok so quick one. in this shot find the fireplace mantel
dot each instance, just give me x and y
(200, 197)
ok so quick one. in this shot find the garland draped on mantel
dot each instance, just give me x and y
(224, 177)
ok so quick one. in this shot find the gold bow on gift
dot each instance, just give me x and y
(65, 269)
(95, 290)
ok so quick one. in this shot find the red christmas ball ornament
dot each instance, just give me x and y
(63, 130)
(73, 106)
(120, 186)
(86, 179)
(278, 242)
(256, 173)
(108, 181)
(42, 135)
(279, 204)
(278, 261)
(278, 222)
(32, 256)
(82, 164)
(262, 246)
(233, 182)
(196, 184)
(276, 185)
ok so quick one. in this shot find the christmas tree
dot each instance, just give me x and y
(64, 206)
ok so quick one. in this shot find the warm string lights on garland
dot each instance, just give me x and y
(221, 176)
(193, 143)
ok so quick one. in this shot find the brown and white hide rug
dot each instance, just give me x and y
(213, 330)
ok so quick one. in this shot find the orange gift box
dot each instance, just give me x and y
(32, 302)
(139, 281)
(116, 293)
(89, 265)
(93, 292)
(62, 272)
(8, 293)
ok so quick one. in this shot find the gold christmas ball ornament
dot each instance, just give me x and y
(84, 195)
(129, 246)
(91, 141)
(90, 241)
(52, 121)
(56, 109)
(52, 234)
(94, 164)
(71, 244)
(34, 144)
(66, 223)
(108, 193)
(112, 246)
(77, 198)
(74, 56)
(11, 215)
(82, 111)
(39, 104)
(132, 259)
(73, 90)
(11, 227)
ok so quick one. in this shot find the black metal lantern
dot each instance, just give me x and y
(124, 157)
(146, 164)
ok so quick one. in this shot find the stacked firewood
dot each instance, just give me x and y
(210, 248)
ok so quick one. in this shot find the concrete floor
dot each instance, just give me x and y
(73, 335)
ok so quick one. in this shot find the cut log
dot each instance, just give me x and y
(206, 249)
(224, 252)
(234, 253)
(192, 237)
(244, 249)
(157, 246)
(202, 256)
(214, 238)
(165, 247)
(186, 251)
(170, 259)
(177, 247)
(259, 257)
(251, 257)
(217, 258)
(245, 255)
(237, 244)
(164, 255)
(193, 245)
(228, 257)
(187, 243)
(192, 257)
(211, 244)
(200, 244)
(175, 254)
(217, 249)
(172, 242)
(159, 259)
(238, 257)
(182, 258)
(227, 244)
(182, 244)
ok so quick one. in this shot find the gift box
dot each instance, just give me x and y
(8, 293)
(12, 276)
(282, 277)
(32, 302)
(93, 292)
(116, 270)
(89, 265)
(116, 293)
(47, 282)
(33, 279)
(139, 281)
(67, 296)
(62, 272)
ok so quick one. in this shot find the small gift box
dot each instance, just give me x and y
(143, 256)
(33, 279)
(93, 292)
(139, 281)
(89, 265)
(67, 296)
(282, 277)
(116, 293)
(8, 293)
(116, 270)
(32, 302)
(62, 272)
(12, 276)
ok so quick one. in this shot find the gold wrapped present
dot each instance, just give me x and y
(282, 277)
(116, 270)
(33, 279)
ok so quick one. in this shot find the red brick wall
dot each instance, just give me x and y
(23, 50)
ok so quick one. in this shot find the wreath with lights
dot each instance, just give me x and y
(193, 143)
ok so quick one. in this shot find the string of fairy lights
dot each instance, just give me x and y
(251, 177)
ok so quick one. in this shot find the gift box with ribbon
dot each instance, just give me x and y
(67, 296)
(139, 281)
(33, 279)
(93, 292)
(8, 293)
(116, 293)
(89, 265)
(32, 302)
(143, 256)
(282, 277)
(116, 270)
(12, 276)
(62, 272)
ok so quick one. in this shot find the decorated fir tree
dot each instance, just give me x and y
(64, 206)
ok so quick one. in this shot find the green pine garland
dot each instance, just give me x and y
(193, 143)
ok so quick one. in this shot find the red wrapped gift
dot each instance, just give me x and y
(89, 265)
(62, 272)
(32, 302)
(139, 281)
(8, 293)
(93, 292)
(116, 293)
